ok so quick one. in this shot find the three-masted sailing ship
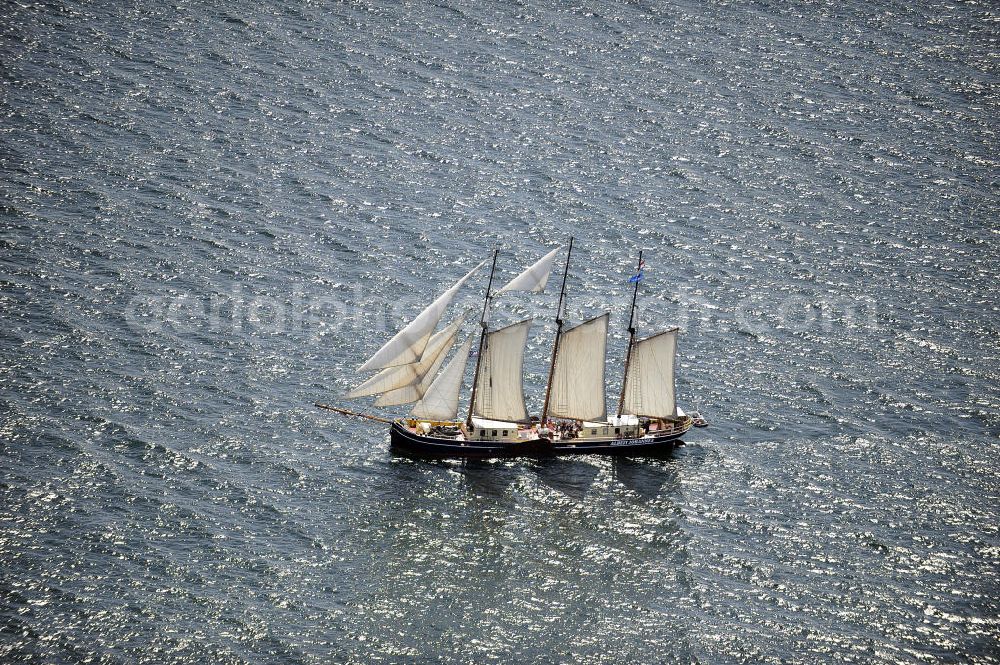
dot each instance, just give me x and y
(574, 418)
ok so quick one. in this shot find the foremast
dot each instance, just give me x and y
(482, 337)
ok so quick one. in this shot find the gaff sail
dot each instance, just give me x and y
(499, 385)
(577, 389)
(649, 390)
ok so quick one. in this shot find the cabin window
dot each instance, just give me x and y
(593, 431)
(505, 432)
(494, 432)
(482, 434)
(618, 430)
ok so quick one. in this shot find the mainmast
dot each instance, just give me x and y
(482, 337)
(631, 334)
(559, 325)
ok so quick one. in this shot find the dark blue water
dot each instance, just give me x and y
(211, 214)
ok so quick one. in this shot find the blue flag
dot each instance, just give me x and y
(636, 278)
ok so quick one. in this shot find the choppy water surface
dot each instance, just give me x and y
(211, 216)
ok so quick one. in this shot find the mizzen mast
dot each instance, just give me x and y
(559, 326)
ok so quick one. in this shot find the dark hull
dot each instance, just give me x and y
(403, 440)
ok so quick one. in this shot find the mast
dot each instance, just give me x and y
(559, 325)
(631, 335)
(482, 337)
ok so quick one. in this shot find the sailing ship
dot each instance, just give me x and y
(574, 419)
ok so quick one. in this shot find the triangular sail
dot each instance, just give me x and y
(499, 388)
(440, 402)
(392, 378)
(414, 391)
(428, 376)
(649, 390)
(534, 278)
(404, 395)
(407, 345)
(577, 389)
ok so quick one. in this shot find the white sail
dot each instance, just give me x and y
(404, 395)
(499, 389)
(649, 390)
(440, 402)
(425, 372)
(388, 379)
(534, 278)
(407, 345)
(577, 389)
(427, 375)
(392, 378)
